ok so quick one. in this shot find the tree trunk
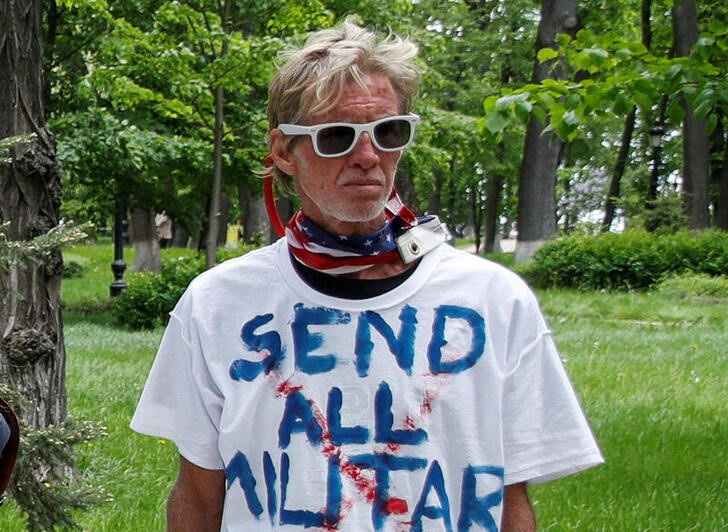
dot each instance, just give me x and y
(143, 231)
(180, 237)
(219, 94)
(615, 183)
(721, 204)
(32, 354)
(542, 150)
(720, 179)
(406, 189)
(476, 216)
(492, 212)
(254, 216)
(434, 199)
(213, 221)
(696, 164)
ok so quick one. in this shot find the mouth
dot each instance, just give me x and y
(363, 183)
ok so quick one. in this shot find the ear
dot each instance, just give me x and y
(282, 154)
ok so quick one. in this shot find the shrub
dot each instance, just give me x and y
(633, 260)
(73, 269)
(695, 285)
(149, 297)
(141, 305)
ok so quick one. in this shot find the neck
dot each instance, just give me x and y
(381, 271)
(342, 228)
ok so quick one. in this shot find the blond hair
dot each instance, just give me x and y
(313, 78)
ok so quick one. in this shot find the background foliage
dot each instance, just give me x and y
(635, 260)
(131, 86)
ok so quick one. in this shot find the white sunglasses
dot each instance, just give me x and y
(392, 133)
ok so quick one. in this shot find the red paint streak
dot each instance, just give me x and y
(346, 504)
(396, 506)
(367, 487)
(286, 388)
(427, 400)
(331, 526)
(364, 485)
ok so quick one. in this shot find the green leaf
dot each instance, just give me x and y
(571, 118)
(563, 40)
(711, 122)
(539, 113)
(489, 104)
(676, 112)
(622, 105)
(496, 121)
(523, 110)
(546, 54)
(506, 102)
(623, 54)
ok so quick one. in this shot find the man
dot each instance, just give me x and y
(358, 374)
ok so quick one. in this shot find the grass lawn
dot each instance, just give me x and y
(650, 370)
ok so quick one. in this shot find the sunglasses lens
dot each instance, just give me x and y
(335, 139)
(393, 134)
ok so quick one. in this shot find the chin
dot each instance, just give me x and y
(363, 216)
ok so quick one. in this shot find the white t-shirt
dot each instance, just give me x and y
(406, 411)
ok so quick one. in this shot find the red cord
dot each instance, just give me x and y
(270, 205)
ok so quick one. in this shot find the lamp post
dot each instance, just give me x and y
(121, 225)
(655, 137)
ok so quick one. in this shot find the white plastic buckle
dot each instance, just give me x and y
(421, 239)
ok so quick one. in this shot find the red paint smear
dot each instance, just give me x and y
(331, 526)
(347, 504)
(427, 400)
(396, 506)
(393, 447)
(286, 388)
(365, 486)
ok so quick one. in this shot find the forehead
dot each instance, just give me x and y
(372, 98)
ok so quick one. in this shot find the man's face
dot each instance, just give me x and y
(347, 194)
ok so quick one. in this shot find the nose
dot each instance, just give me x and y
(364, 154)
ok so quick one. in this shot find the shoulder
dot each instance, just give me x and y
(249, 272)
(479, 283)
(469, 268)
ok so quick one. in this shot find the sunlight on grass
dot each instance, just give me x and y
(107, 367)
(650, 371)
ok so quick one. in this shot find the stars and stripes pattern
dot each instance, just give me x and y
(338, 254)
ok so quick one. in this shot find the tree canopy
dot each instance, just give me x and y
(131, 91)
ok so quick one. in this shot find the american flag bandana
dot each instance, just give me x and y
(404, 236)
(338, 254)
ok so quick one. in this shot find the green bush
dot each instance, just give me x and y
(73, 269)
(149, 297)
(695, 285)
(633, 260)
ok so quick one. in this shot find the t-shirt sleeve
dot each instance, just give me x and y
(546, 434)
(180, 401)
